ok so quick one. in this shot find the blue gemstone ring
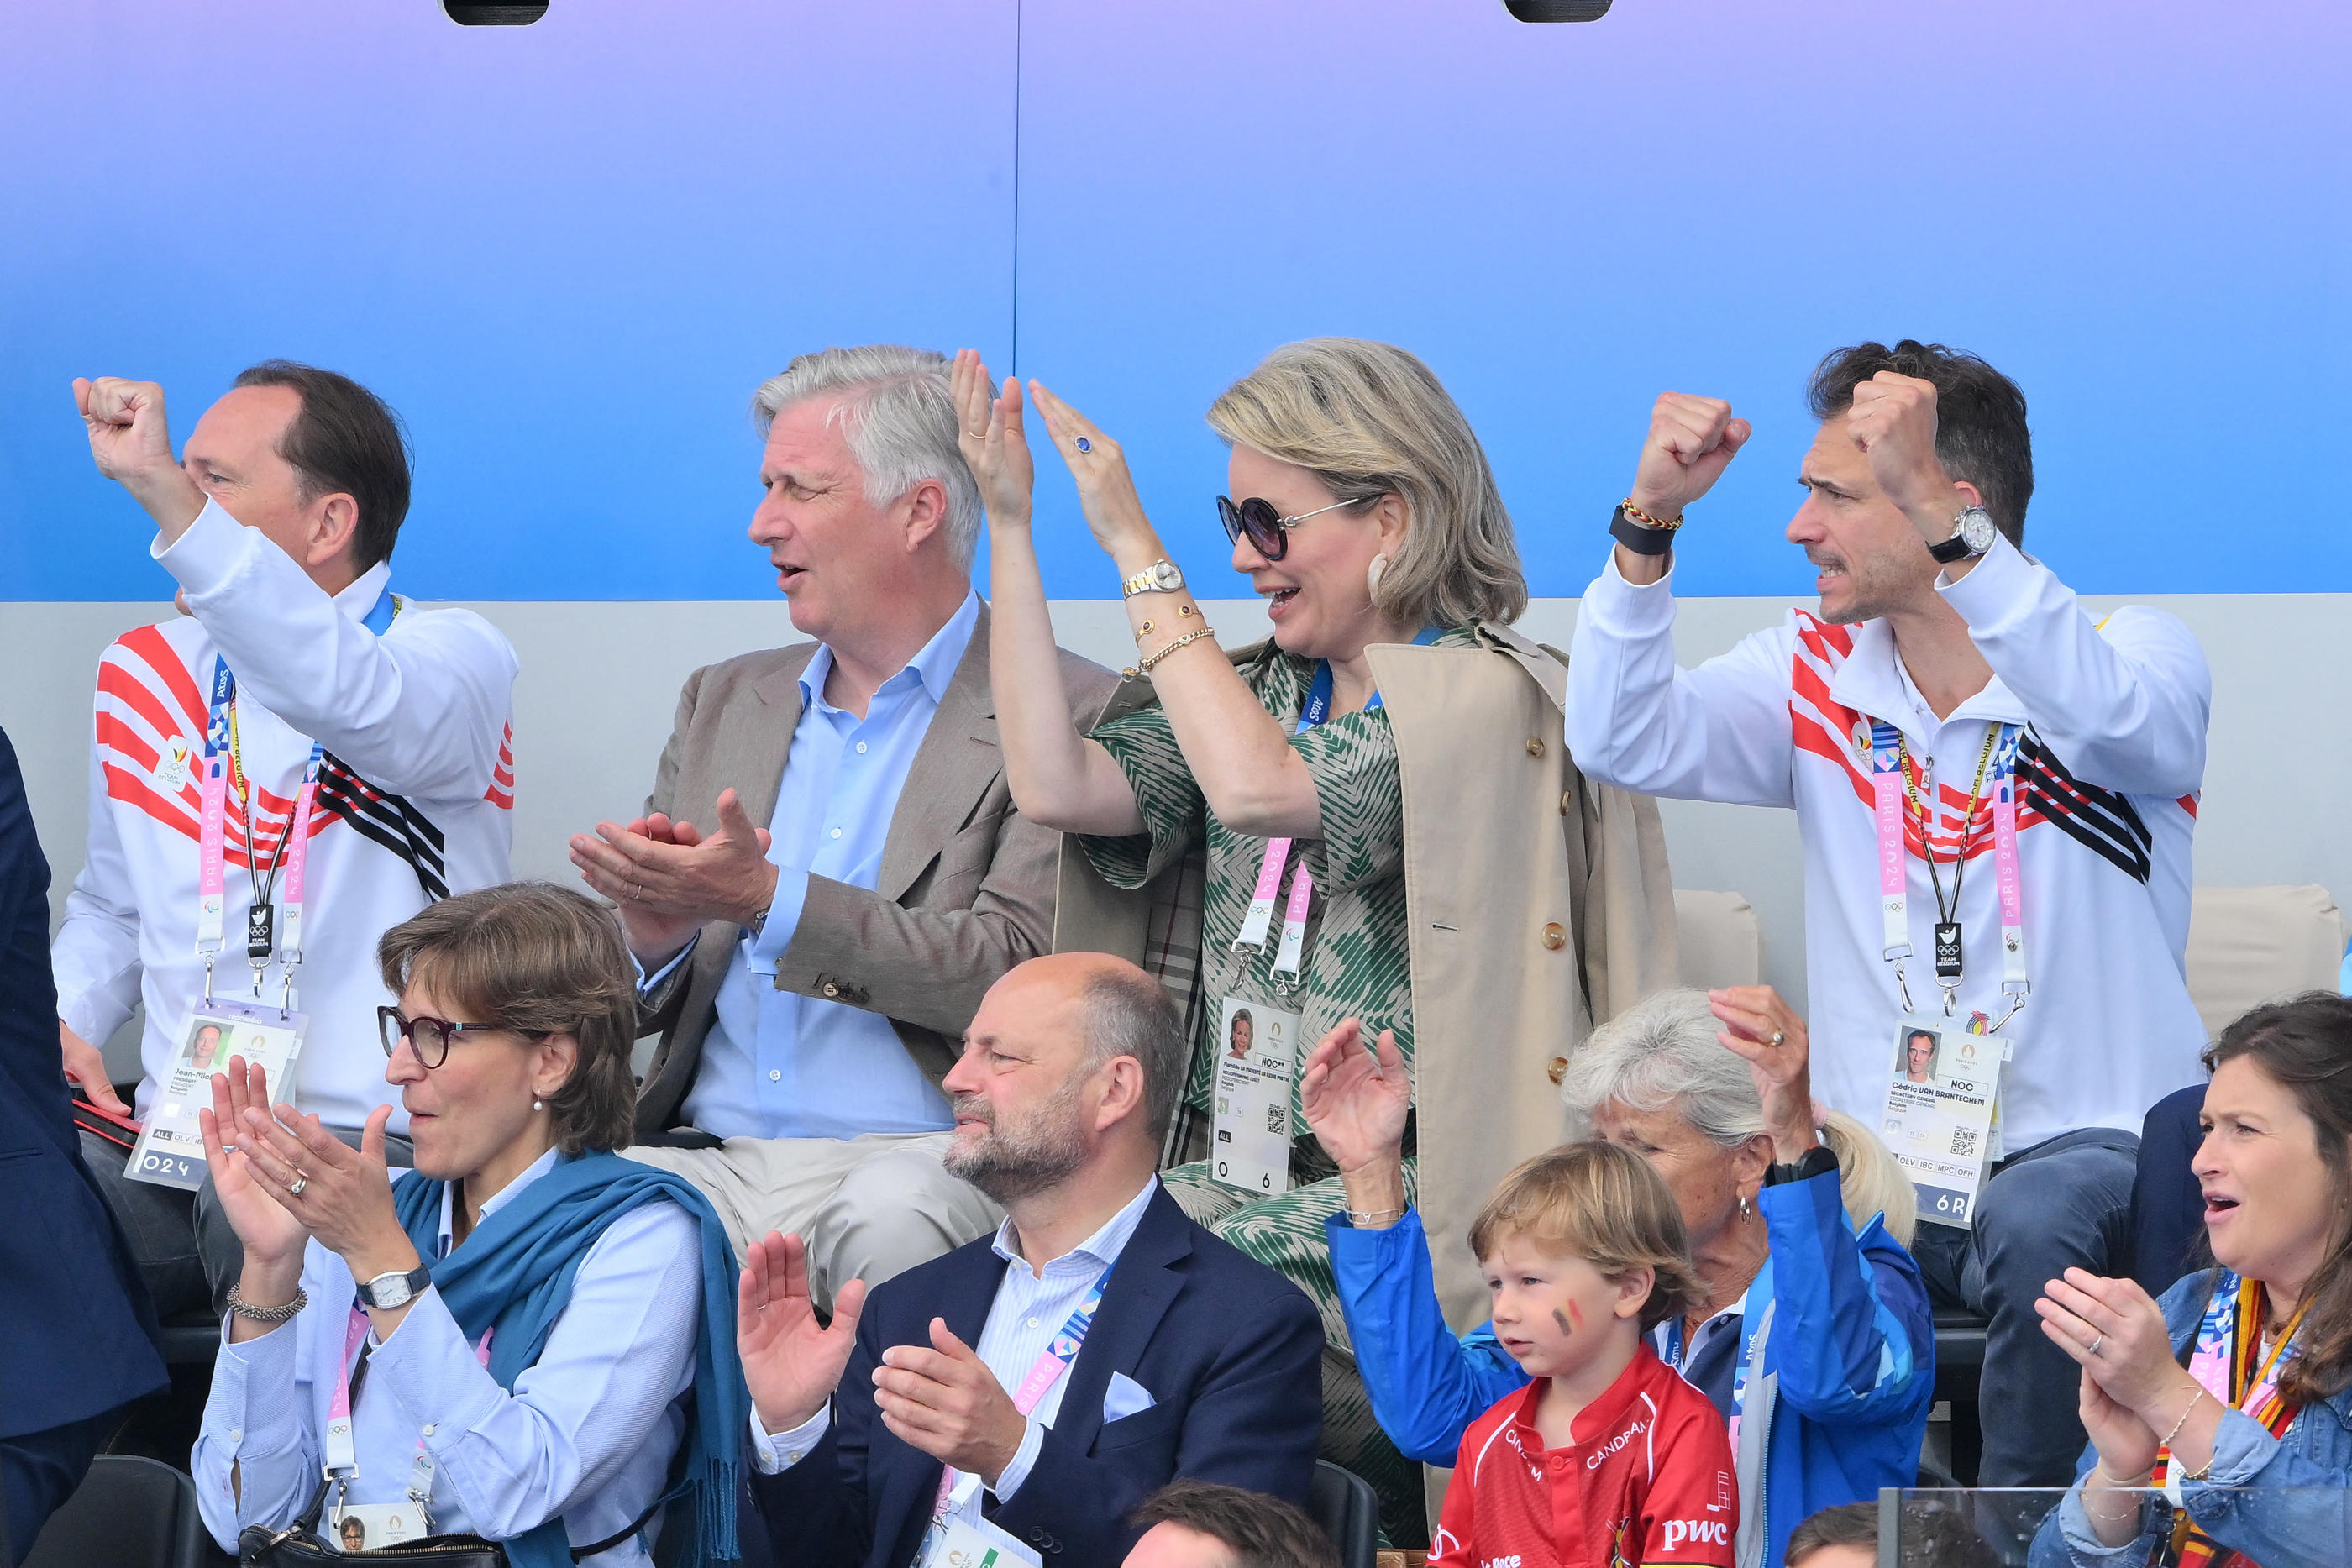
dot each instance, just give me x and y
(1085, 446)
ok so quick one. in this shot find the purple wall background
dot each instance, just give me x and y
(568, 252)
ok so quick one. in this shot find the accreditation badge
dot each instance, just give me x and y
(366, 1526)
(170, 1147)
(960, 1536)
(1942, 1101)
(1257, 1058)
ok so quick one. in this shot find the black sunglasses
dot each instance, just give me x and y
(1269, 534)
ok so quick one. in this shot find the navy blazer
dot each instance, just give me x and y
(1231, 1351)
(80, 1336)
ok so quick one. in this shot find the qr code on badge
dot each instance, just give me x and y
(1964, 1142)
(1277, 1119)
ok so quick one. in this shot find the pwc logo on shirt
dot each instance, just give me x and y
(1683, 1532)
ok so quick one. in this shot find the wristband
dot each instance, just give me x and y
(239, 1305)
(1820, 1160)
(1640, 533)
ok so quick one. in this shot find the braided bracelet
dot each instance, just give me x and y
(1146, 662)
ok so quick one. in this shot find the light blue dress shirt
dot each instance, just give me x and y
(587, 1433)
(1028, 1311)
(777, 1064)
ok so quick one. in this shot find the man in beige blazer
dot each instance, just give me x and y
(810, 978)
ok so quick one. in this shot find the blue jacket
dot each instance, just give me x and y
(1232, 1351)
(80, 1336)
(1847, 1368)
(2302, 1526)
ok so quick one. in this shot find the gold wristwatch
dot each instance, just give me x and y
(1160, 577)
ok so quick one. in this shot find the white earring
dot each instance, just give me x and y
(541, 1105)
(1373, 573)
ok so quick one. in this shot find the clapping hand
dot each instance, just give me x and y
(668, 878)
(1692, 440)
(946, 1402)
(995, 445)
(272, 1232)
(791, 1361)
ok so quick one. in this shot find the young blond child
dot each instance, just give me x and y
(1608, 1459)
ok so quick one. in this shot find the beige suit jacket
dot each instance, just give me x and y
(966, 889)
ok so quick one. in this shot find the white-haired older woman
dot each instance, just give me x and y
(1371, 524)
(1815, 1339)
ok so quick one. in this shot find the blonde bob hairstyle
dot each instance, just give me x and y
(1370, 420)
(1662, 1054)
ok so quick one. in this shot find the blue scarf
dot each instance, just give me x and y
(515, 1271)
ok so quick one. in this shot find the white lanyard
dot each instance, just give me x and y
(342, 1461)
(1887, 759)
(1290, 952)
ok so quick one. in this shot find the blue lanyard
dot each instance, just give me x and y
(1319, 695)
(1759, 1291)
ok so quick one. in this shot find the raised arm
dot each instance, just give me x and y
(1720, 732)
(1239, 755)
(1060, 779)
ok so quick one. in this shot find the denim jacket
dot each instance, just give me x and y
(2285, 1532)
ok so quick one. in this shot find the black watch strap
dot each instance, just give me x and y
(417, 1279)
(1951, 550)
(1820, 1160)
(1641, 541)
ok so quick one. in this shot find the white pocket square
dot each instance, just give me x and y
(1125, 1398)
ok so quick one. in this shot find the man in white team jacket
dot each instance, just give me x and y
(1937, 637)
(278, 525)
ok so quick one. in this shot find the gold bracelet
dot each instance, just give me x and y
(2185, 1414)
(1145, 664)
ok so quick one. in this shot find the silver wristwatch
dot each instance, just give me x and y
(386, 1292)
(1160, 577)
(1972, 535)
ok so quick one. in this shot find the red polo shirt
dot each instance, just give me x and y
(1647, 1479)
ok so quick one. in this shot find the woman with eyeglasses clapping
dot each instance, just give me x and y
(513, 1341)
(1370, 814)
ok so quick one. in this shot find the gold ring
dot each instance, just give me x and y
(1780, 1037)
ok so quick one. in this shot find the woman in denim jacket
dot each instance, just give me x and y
(2239, 1380)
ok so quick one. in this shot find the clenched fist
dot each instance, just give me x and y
(132, 447)
(1691, 441)
(1892, 420)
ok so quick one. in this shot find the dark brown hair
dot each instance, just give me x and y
(1261, 1531)
(1847, 1525)
(1602, 1203)
(344, 438)
(2305, 1044)
(1980, 434)
(536, 959)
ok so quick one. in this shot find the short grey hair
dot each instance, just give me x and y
(1662, 1054)
(1128, 1013)
(896, 412)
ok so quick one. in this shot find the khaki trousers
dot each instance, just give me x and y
(868, 1207)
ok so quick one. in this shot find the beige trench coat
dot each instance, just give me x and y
(1538, 903)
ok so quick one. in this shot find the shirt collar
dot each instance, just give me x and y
(1103, 1247)
(359, 596)
(492, 1204)
(934, 663)
(1873, 681)
(1600, 1421)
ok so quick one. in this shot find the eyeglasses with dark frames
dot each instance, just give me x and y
(428, 1036)
(1268, 532)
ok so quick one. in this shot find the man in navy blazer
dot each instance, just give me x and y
(79, 1339)
(1033, 1388)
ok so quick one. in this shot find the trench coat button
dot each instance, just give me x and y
(1568, 802)
(1535, 745)
(1555, 935)
(1557, 1068)
(829, 989)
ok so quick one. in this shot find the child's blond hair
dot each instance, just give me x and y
(1601, 1202)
